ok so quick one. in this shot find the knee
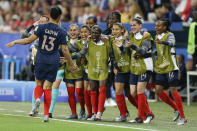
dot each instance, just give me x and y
(140, 90)
(173, 89)
(119, 91)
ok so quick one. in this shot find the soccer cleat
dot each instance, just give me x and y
(149, 118)
(98, 116)
(92, 118)
(182, 121)
(88, 116)
(72, 116)
(33, 114)
(137, 120)
(50, 115)
(121, 119)
(176, 115)
(46, 118)
(35, 109)
(82, 114)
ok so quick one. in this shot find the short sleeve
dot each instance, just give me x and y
(63, 40)
(37, 31)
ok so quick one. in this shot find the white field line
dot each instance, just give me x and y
(88, 123)
(1, 109)
(18, 111)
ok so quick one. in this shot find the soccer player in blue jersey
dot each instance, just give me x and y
(47, 58)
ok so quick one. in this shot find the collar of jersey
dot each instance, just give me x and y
(160, 36)
(119, 38)
(138, 36)
(72, 41)
(84, 41)
(99, 43)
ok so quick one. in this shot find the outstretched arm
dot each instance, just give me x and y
(170, 42)
(144, 49)
(22, 41)
(80, 53)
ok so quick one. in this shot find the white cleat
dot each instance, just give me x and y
(92, 118)
(182, 121)
(46, 118)
(35, 109)
(121, 119)
(33, 114)
(148, 119)
(176, 115)
(98, 116)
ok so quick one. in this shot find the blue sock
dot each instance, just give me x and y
(55, 93)
(33, 101)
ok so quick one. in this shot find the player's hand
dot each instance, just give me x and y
(89, 38)
(158, 41)
(36, 23)
(63, 60)
(104, 39)
(126, 34)
(137, 55)
(115, 71)
(128, 44)
(74, 68)
(118, 43)
(10, 44)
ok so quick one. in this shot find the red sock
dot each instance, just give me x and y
(38, 91)
(72, 99)
(132, 101)
(47, 101)
(164, 97)
(142, 106)
(80, 97)
(102, 96)
(120, 99)
(148, 111)
(87, 98)
(178, 101)
(94, 101)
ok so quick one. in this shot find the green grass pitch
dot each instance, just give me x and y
(14, 117)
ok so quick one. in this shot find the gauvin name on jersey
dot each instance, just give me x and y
(51, 32)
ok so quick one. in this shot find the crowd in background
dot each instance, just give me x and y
(17, 15)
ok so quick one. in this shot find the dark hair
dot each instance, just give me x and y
(138, 20)
(117, 15)
(166, 23)
(87, 27)
(55, 12)
(96, 26)
(167, 6)
(93, 18)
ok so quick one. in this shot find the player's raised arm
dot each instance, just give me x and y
(68, 56)
(22, 41)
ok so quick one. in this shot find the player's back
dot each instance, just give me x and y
(50, 37)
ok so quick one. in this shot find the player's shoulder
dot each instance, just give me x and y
(62, 31)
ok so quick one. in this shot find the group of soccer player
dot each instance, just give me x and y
(88, 56)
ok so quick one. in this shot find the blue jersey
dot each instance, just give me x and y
(50, 37)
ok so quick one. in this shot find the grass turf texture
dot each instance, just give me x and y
(163, 119)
